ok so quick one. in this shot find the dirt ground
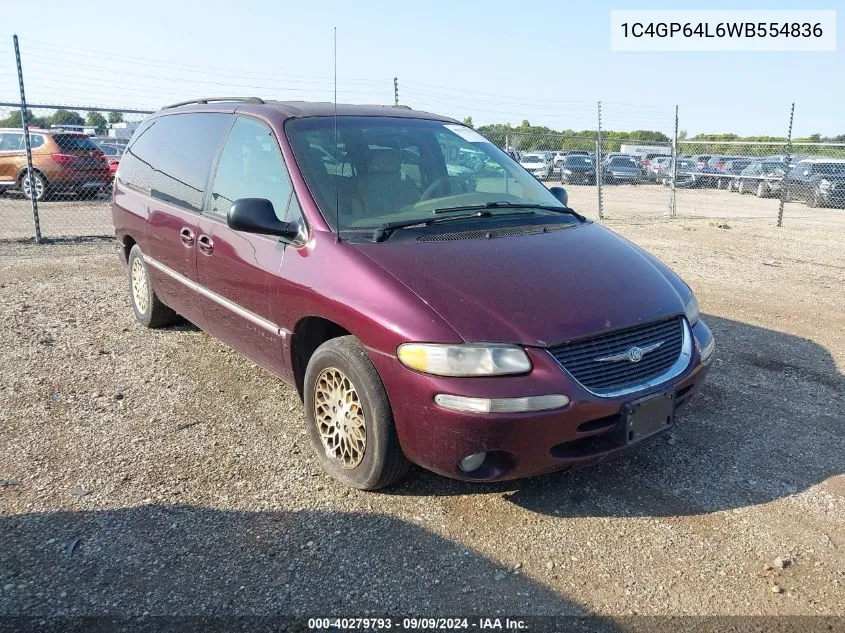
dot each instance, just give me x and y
(160, 472)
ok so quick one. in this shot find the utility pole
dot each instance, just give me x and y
(784, 183)
(599, 170)
(27, 145)
(396, 91)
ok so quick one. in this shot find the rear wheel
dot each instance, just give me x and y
(349, 417)
(38, 182)
(815, 199)
(762, 190)
(741, 187)
(148, 308)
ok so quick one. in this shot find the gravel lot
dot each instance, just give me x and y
(160, 472)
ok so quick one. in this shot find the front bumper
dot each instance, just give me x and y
(523, 444)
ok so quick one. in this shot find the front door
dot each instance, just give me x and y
(238, 272)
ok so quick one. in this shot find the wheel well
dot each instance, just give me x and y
(22, 172)
(308, 335)
(126, 245)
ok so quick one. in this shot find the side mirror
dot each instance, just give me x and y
(560, 194)
(256, 215)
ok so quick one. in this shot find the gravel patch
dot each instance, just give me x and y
(160, 472)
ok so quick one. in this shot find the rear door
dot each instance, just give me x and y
(797, 181)
(238, 272)
(169, 163)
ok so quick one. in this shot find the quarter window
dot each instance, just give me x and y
(171, 156)
(250, 166)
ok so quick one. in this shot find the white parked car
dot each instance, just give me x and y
(537, 165)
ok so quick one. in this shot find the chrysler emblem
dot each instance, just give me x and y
(634, 354)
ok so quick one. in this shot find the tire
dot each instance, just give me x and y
(814, 199)
(41, 186)
(148, 308)
(341, 365)
(741, 187)
(762, 190)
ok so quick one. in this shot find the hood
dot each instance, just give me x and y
(577, 169)
(531, 166)
(614, 169)
(537, 289)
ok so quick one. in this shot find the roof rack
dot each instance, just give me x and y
(215, 99)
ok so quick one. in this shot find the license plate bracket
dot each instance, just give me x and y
(644, 417)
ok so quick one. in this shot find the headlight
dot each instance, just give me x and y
(691, 310)
(464, 360)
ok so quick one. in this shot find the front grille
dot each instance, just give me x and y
(491, 233)
(579, 357)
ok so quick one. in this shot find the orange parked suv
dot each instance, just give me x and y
(63, 162)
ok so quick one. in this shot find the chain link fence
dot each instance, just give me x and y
(58, 184)
(73, 155)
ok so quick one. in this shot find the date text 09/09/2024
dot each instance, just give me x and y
(418, 624)
(722, 29)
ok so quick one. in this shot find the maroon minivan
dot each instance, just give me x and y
(431, 301)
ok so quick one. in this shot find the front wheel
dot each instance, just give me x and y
(762, 190)
(349, 418)
(148, 308)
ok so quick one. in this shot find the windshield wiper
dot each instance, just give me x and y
(383, 231)
(512, 205)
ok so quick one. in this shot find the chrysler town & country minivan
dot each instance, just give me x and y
(476, 326)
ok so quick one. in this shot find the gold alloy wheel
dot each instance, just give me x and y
(140, 292)
(340, 418)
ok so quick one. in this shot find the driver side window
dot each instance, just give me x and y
(250, 166)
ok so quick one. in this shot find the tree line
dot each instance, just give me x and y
(61, 118)
(527, 137)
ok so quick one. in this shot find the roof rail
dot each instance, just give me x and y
(214, 99)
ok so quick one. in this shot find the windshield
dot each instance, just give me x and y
(386, 169)
(830, 169)
(75, 143)
(579, 161)
(533, 159)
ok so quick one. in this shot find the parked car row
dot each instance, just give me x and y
(820, 182)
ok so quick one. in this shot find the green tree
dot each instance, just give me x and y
(14, 120)
(468, 121)
(117, 117)
(65, 117)
(98, 122)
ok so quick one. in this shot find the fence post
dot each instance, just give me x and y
(673, 201)
(25, 126)
(786, 173)
(396, 91)
(599, 174)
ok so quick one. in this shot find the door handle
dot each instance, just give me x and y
(187, 236)
(205, 244)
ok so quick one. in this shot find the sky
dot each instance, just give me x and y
(496, 61)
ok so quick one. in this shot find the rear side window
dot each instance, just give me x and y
(251, 166)
(10, 142)
(170, 157)
(75, 143)
(36, 141)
